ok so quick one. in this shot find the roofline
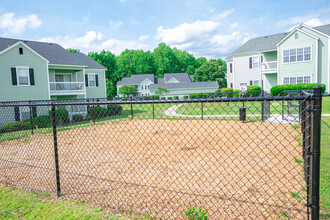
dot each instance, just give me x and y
(20, 42)
(66, 65)
(296, 29)
(311, 28)
(190, 88)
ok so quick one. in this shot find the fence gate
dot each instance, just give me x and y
(170, 158)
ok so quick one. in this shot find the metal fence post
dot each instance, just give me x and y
(316, 152)
(202, 110)
(153, 110)
(31, 117)
(132, 107)
(57, 171)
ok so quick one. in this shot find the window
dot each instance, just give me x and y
(63, 78)
(297, 55)
(24, 113)
(23, 76)
(145, 87)
(296, 36)
(91, 80)
(256, 82)
(231, 85)
(230, 67)
(20, 50)
(255, 63)
(296, 80)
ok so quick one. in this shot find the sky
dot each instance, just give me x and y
(209, 28)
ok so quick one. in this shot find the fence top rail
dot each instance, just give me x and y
(105, 101)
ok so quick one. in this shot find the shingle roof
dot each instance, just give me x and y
(185, 85)
(181, 77)
(136, 79)
(267, 43)
(54, 53)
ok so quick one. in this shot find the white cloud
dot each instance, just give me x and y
(115, 24)
(203, 38)
(143, 37)
(16, 25)
(85, 43)
(187, 32)
(313, 22)
(224, 14)
(118, 46)
(234, 25)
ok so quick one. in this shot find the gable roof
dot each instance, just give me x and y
(181, 77)
(136, 79)
(268, 43)
(54, 53)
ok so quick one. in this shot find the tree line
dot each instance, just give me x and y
(162, 59)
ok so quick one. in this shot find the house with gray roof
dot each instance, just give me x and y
(31, 70)
(179, 84)
(299, 56)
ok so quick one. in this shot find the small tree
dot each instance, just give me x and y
(161, 91)
(128, 90)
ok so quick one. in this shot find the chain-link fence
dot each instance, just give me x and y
(236, 157)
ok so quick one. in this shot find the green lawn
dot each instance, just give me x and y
(325, 168)
(326, 105)
(20, 204)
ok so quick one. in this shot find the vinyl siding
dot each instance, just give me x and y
(12, 58)
(299, 68)
(242, 72)
(97, 92)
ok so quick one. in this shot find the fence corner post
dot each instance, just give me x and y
(57, 171)
(317, 109)
(31, 116)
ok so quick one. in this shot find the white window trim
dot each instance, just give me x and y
(28, 71)
(23, 110)
(304, 61)
(258, 62)
(311, 77)
(92, 74)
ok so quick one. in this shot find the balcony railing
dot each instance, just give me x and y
(66, 86)
(269, 66)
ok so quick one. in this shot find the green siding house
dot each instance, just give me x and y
(31, 70)
(299, 56)
(178, 84)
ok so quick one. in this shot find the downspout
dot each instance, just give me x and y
(262, 85)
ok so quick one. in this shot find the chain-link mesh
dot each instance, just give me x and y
(236, 157)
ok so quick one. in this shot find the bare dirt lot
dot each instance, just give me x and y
(160, 167)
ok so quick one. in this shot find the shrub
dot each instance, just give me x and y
(61, 116)
(42, 121)
(175, 97)
(192, 96)
(162, 98)
(155, 97)
(185, 97)
(77, 118)
(114, 109)
(146, 98)
(16, 126)
(211, 95)
(279, 89)
(97, 112)
(124, 99)
(225, 92)
(195, 213)
(253, 91)
(169, 98)
(237, 93)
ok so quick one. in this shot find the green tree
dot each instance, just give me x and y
(161, 91)
(165, 60)
(107, 59)
(128, 90)
(211, 71)
(73, 50)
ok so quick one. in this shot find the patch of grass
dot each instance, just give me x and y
(296, 195)
(19, 204)
(298, 160)
(326, 105)
(325, 167)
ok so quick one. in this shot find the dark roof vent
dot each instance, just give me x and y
(50, 44)
(266, 37)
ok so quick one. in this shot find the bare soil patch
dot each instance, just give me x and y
(160, 167)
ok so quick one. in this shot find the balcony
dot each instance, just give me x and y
(269, 67)
(67, 87)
